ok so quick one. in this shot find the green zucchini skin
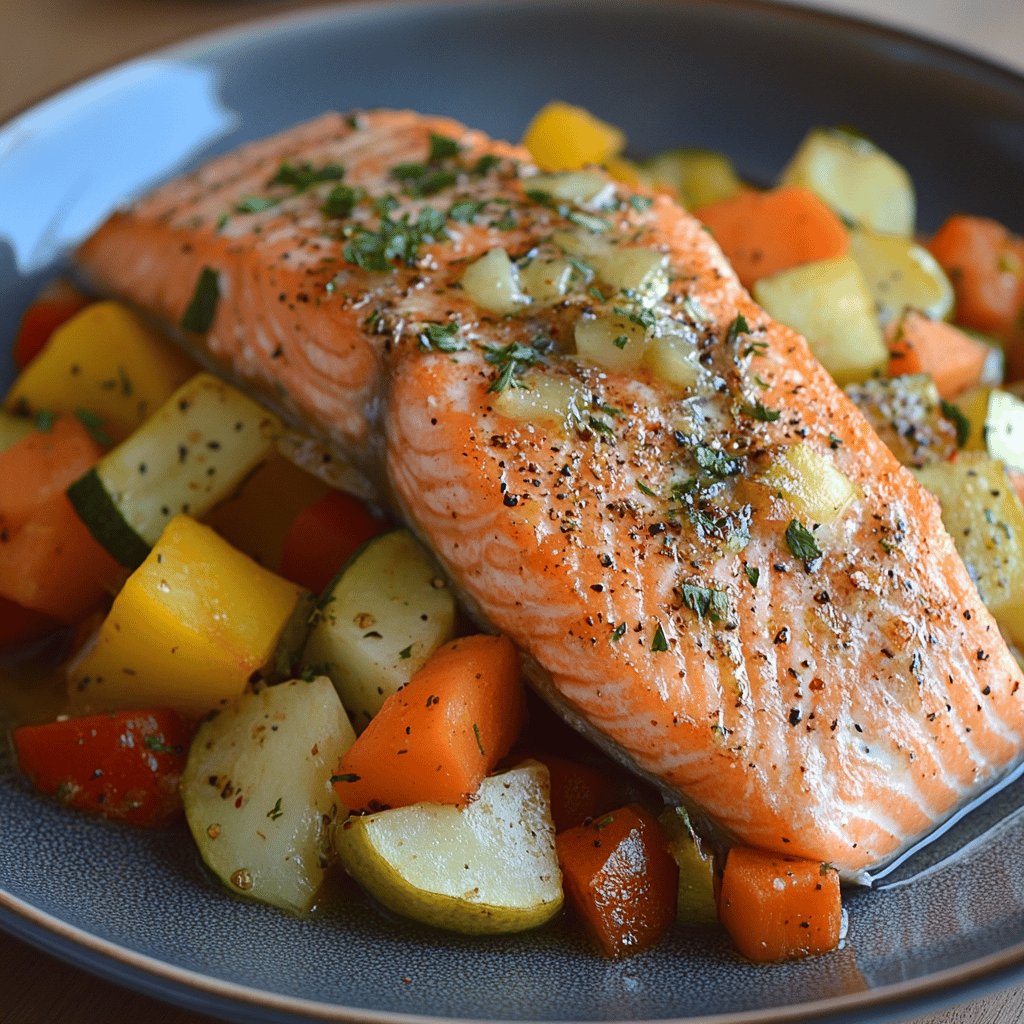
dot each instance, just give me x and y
(104, 521)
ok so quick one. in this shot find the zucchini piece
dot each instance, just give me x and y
(906, 412)
(699, 177)
(856, 178)
(13, 429)
(485, 868)
(811, 482)
(258, 795)
(829, 304)
(997, 424)
(104, 360)
(696, 903)
(901, 275)
(191, 454)
(985, 518)
(190, 628)
(384, 615)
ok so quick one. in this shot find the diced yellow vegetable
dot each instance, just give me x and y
(611, 341)
(997, 424)
(901, 275)
(492, 281)
(190, 627)
(545, 397)
(641, 271)
(830, 305)
(629, 172)
(582, 188)
(811, 482)
(985, 518)
(696, 902)
(698, 177)
(546, 280)
(673, 358)
(562, 137)
(104, 360)
(858, 180)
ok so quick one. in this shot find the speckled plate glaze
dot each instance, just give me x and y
(746, 78)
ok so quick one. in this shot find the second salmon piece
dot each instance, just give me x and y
(709, 561)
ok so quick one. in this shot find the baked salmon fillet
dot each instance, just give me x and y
(708, 559)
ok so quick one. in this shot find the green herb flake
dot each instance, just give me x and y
(255, 204)
(94, 425)
(588, 221)
(736, 328)
(618, 632)
(704, 602)
(443, 337)
(479, 744)
(346, 777)
(953, 413)
(753, 574)
(659, 645)
(506, 222)
(442, 147)
(694, 310)
(342, 200)
(641, 317)
(644, 489)
(221, 221)
(759, 411)
(621, 341)
(801, 542)
(716, 463)
(275, 812)
(202, 309)
(511, 360)
(465, 211)
(640, 203)
(485, 164)
(158, 745)
(405, 653)
(394, 240)
(595, 293)
(300, 177)
(825, 868)
(755, 348)
(604, 822)
(44, 420)
(599, 426)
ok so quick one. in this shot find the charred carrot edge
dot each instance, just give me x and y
(763, 233)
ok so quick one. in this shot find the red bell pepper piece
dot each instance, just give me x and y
(324, 536)
(125, 766)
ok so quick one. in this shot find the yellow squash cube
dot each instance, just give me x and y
(189, 629)
(562, 137)
(106, 361)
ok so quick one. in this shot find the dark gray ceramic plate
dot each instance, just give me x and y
(730, 75)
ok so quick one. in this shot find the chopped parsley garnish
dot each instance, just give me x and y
(394, 240)
(716, 463)
(644, 489)
(641, 317)
(442, 147)
(158, 745)
(694, 310)
(618, 632)
(405, 653)
(801, 542)
(506, 222)
(44, 420)
(705, 602)
(588, 221)
(736, 328)
(753, 574)
(963, 425)
(758, 411)
(479, 744)
(537, 195)
(621, 341)
(599, 426)
(421, 180)
(595, 293)
(385, 204)
(511, 360)
(443, 337)
(304, 176)
(347, 777)
(275, 812)
(640, 203)
(659, 644)
(466, 210)
(756, 348)
(94, 425)
(255, 204)
(342, 200)
(486, 163)
(202, 309)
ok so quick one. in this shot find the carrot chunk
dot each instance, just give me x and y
(955, 360)
(324, 536)
(779, 908)
(49, 562)
(580, 791)
(763, 233)
(125, 766)
(437, 738)
(621, 879)
(985, 264)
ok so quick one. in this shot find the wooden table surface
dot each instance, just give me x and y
(46, 44)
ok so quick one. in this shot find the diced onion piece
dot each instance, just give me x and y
(829, 304)
(673, 358)
(856, 179)
(901, 275)
(546, 280)
(611, 341)
(545, 397)
(493, 282)
(581, 244)
(583, 188)
(642, 271)
(812, 483)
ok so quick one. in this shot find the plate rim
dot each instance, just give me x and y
(204, 993)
